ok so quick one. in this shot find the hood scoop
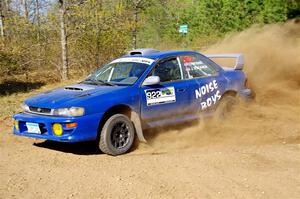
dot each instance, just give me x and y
(73, 89)
(79, 87)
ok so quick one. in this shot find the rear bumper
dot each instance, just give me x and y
(86, 129)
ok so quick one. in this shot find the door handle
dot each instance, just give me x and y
(181, 90)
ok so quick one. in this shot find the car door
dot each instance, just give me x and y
(206, 81)
(168, 100)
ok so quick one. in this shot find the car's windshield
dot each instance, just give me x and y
(118, 73)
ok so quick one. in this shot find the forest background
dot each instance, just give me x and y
(46, 41)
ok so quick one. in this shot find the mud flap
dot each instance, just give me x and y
(138, 126)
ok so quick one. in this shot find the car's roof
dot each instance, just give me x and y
(162, 54)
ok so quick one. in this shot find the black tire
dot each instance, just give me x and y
(117, 135)
(225, 106)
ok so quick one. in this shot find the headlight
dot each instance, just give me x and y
(71, 112)
(25, 107)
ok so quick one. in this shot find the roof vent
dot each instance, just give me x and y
(143, 51)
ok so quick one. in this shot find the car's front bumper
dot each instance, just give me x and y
(86, 129)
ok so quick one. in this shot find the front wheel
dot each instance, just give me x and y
(117, 135)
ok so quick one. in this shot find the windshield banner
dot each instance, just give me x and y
(134, 59)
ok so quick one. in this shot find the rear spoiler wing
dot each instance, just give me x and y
(239, 63)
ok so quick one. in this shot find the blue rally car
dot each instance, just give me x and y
(144, 89)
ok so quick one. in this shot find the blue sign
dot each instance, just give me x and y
(183, 29)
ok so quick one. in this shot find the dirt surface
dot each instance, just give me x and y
(255, 153)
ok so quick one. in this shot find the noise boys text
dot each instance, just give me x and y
(206, 89)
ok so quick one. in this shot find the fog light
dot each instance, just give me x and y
(17, 125)
(71, 125)
(57, 129)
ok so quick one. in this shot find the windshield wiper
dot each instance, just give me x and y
(99, 82)
(105, 82)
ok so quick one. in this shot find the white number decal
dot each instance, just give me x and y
(153, 94)
(160, 96)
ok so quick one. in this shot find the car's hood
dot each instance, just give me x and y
(69, 95)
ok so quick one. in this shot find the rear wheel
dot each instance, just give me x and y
(117, 135)
(225, 106)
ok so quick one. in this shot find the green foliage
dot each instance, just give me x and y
(293, 9)
(274, 11)
(211, 18)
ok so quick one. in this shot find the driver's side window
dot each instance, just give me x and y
(168, 70)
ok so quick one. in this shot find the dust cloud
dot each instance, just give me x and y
(272, 65)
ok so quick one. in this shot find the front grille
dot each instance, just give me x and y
(40, 110)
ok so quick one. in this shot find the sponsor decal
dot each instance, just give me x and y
(209, 88)
(160, 96)
(196, 65)
(134, 59)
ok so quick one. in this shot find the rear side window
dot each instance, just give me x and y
(197, 66)
(168, 70)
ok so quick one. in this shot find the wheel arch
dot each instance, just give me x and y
(232, 93)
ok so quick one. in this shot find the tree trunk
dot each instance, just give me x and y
(2, 20)
(2, 24)
(37, 17)
(64, 47)
(99, 3)
(26, 15)
(37, 12)
(137, 9)
(134, 32)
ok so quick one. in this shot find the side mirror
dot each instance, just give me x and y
(151, 80)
